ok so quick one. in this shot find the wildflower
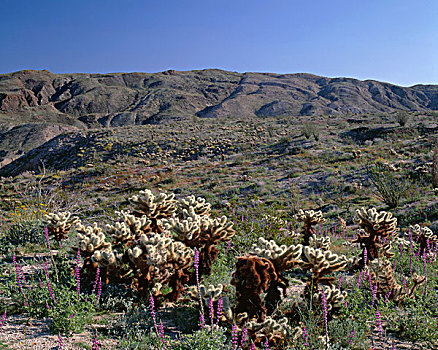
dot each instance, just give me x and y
(305, 336)
(201, 320)
(244, 336)
(324, 305)
(266, 344)
(340, 282)
(152, 307)
(99, 290)
(220, 304)
(379, 322)
(196, 264)
(96, 280)
(374, 295)
(395, 264)
(365, 257)
(234, 336)
(358, 280)
(18, 278)
(96, 344)
(49, 287)
(351, 336)
(60, 342)
(77, 273)
(253, 347)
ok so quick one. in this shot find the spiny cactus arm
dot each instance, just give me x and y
(320, 242)
(146, 203)
(59, 224)
(333, 295)
(283, 257)
(137, 225)
(309, 218)
(199, 205)
(187, 231)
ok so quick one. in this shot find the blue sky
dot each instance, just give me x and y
(387, 40)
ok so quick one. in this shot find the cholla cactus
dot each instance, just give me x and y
(201, 232)
(92, 243)
(252, 277)
(334, 298)
(320, 242)
(155, 208)
(206, 293)
(377, 227)
(138, 252)
(420, 235)
(321, 263)
(275, 331)
(199, 204)
(309, 218)
(59, 224)
(283, 258)
(382, 273)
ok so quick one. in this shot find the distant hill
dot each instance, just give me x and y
(38, 105)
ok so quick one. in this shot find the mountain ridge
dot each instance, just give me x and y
(33, 101)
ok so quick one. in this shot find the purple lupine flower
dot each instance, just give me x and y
(18, 278)
(161, 330)
(401, 250)
(201, 320)
(410, 264)
(244, 336)
(46, 234)
(351, 337)
(404, 285)
(374, 295)
(96, 344)
(234, 336)
(305, 336)
(365, 256)
(60, 342)
(228, 247)
(266, 344)
(340, 282)
(395, 264)
(220, 304)
(253, 347)
(358, 280)
(99, 290)
(152, 307)
(211, 309)
(78, 273)
(96, 281)
(49, 287)
(196, 264)
(379, 322)
(324, 305)
(387, 296)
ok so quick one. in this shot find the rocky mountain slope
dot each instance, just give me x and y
(36, 106)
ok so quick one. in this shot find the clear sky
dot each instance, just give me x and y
(388, 40)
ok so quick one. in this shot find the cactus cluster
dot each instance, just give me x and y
(309, 218)
(59, 224)
(377, 228)
(154, 246)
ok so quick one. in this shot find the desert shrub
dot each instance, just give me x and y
(391, 187)
(308, 129)
(402, 118)
(22, 232)
(71, 313)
